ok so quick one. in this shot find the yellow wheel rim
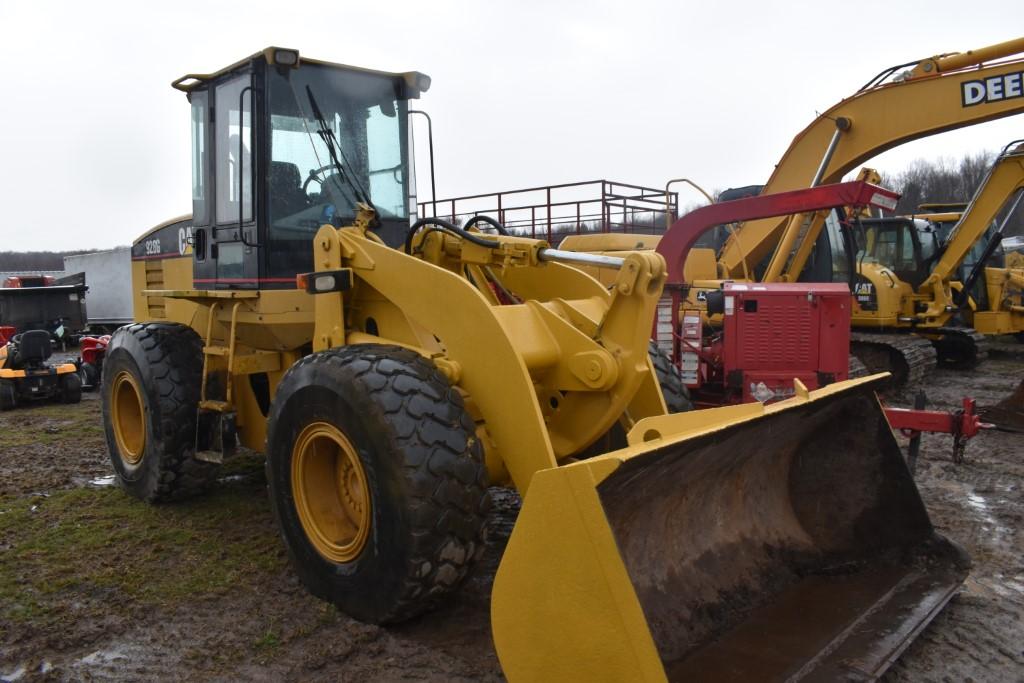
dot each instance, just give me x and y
(331, 493)
(128, 416)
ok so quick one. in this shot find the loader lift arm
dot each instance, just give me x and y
(853, 131)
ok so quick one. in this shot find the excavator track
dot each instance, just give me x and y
(961, 347)
(908, 358)
(857, 368)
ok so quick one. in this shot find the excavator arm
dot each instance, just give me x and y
(1004, 180)
(958, 90)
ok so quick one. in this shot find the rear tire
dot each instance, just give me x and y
(400, 519)
(150, 398)
(8, 395)
(90, 377)
(70, 388)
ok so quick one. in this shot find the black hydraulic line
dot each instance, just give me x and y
(497, 283)
(850, 243)
(448, 227)
(860, 237)
(882, 75)
(489, 221)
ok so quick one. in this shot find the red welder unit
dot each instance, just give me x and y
(775, 333)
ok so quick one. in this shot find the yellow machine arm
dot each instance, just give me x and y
(935, 95)
(1004, 179)
(547, 371)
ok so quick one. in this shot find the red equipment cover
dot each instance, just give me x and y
(775, 333)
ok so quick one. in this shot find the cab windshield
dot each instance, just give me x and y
(306, 188)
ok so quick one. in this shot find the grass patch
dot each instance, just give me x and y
(102, 548)
(51, 423)
(268, 642)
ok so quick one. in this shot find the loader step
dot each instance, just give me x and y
(215, 457)
(848, 628)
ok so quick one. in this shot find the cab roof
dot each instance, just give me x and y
(415, 82)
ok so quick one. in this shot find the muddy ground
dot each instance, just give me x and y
(95, 586)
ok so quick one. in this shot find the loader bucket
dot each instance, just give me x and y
(745, 543)
(1008, 414)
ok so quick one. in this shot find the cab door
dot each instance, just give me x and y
(225, 240)
(234, 233)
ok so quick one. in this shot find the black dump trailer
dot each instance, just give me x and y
(59, 308)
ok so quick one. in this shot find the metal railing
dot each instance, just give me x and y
(551, 212)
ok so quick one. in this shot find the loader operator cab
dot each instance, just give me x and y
(282, 145)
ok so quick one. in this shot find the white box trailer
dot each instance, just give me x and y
(108, 274)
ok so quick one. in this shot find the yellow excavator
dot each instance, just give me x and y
(391, 369)
(902, 103)
(909, 274)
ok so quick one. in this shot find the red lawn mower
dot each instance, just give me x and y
(90, 363)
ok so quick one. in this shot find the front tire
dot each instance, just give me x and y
(677, 396)
(150, 398)
(377, 480)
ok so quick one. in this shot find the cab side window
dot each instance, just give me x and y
(200, 211)
(233, 142)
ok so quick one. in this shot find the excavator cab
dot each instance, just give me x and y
(896, 244)
(283, 145)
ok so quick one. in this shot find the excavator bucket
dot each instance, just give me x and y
(1008, 414)
(744, 543)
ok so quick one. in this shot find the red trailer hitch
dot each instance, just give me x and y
(962, 424)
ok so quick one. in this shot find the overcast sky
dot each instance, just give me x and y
(94, 142)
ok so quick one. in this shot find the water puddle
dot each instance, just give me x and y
(15, 675)
(101, 658)
(106, 480)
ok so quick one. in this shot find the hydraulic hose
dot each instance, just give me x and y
(448, 227)
(489, 221)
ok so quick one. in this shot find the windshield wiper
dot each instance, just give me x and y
(334, 150)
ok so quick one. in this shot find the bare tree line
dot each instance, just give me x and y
(27, 261)
(946, 180)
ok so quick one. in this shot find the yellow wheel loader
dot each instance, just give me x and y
(391, 369)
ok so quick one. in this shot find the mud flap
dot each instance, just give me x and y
(785, 542)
